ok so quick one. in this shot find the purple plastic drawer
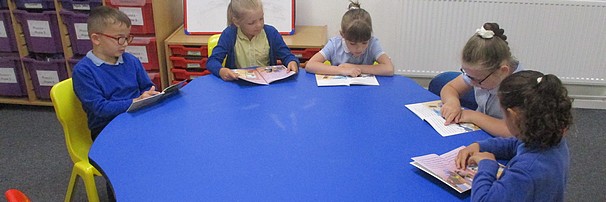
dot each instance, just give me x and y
(35, 4)
(7, 34)
(9, 54)
(3, 4)
(80, 5)
(45, 74)
(78, 34)
(41, 31)
(11, 77)
(74, 60)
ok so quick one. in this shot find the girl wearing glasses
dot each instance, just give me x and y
(486, 61)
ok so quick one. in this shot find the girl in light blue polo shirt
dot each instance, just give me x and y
(354, 51)
(486, 61)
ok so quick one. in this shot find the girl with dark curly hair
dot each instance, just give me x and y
(537, 111)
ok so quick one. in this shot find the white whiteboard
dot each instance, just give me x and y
(210, 16)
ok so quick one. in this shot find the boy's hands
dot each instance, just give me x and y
(152, 91)
(347, 69)
(471, 155)
(227, 75)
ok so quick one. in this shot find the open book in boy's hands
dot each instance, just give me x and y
(264, 75)
(338, 80)
(431, 112)
(443, 167)
(170, 90)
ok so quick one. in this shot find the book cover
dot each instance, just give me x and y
(170, 90)
(431, 113)
(443, 167)
(264, 75)
(338, 80)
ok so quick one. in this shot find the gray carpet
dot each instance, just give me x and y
(33, 157)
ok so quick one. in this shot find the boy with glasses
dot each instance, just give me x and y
(108, 79)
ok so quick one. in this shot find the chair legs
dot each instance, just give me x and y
(85, 171)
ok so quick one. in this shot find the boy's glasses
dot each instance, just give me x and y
(478, 80)
(121, 39)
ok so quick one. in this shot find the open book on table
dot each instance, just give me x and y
(338, 80)
(170, 90)
(430, 112)
(264, 75)
(443, 167)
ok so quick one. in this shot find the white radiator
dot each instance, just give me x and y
(565, 38)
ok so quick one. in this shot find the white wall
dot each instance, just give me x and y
(585, 80)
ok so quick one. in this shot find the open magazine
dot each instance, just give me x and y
(430, 112)
(170, 90)
(264, 75)
(338, 80)
(443, 167)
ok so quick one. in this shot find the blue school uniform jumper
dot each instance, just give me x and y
(530, 174)
(107, 90)
(227, 41)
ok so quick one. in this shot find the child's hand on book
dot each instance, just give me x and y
(151, 92)
(227, 74)
(347, 69)
(292, 66)
(451, 112)
(479, 156)
(464, 155)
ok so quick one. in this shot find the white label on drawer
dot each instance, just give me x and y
(81, 31)
(39, 28)
(135, 14)
(85, 7)
(194, 53)
(193, 65)
(33, 5)
(2, 29)
(7, 75)
(139, 52)
(47, 78)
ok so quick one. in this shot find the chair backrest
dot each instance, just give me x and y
(437, 83)
(14, 195)
(212, 42)
(73, 119)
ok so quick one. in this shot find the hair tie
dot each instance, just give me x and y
(539, 80)
(485, 34)
(354, 7)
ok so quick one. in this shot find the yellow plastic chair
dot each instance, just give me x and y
(212, 42)
(77, 137)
